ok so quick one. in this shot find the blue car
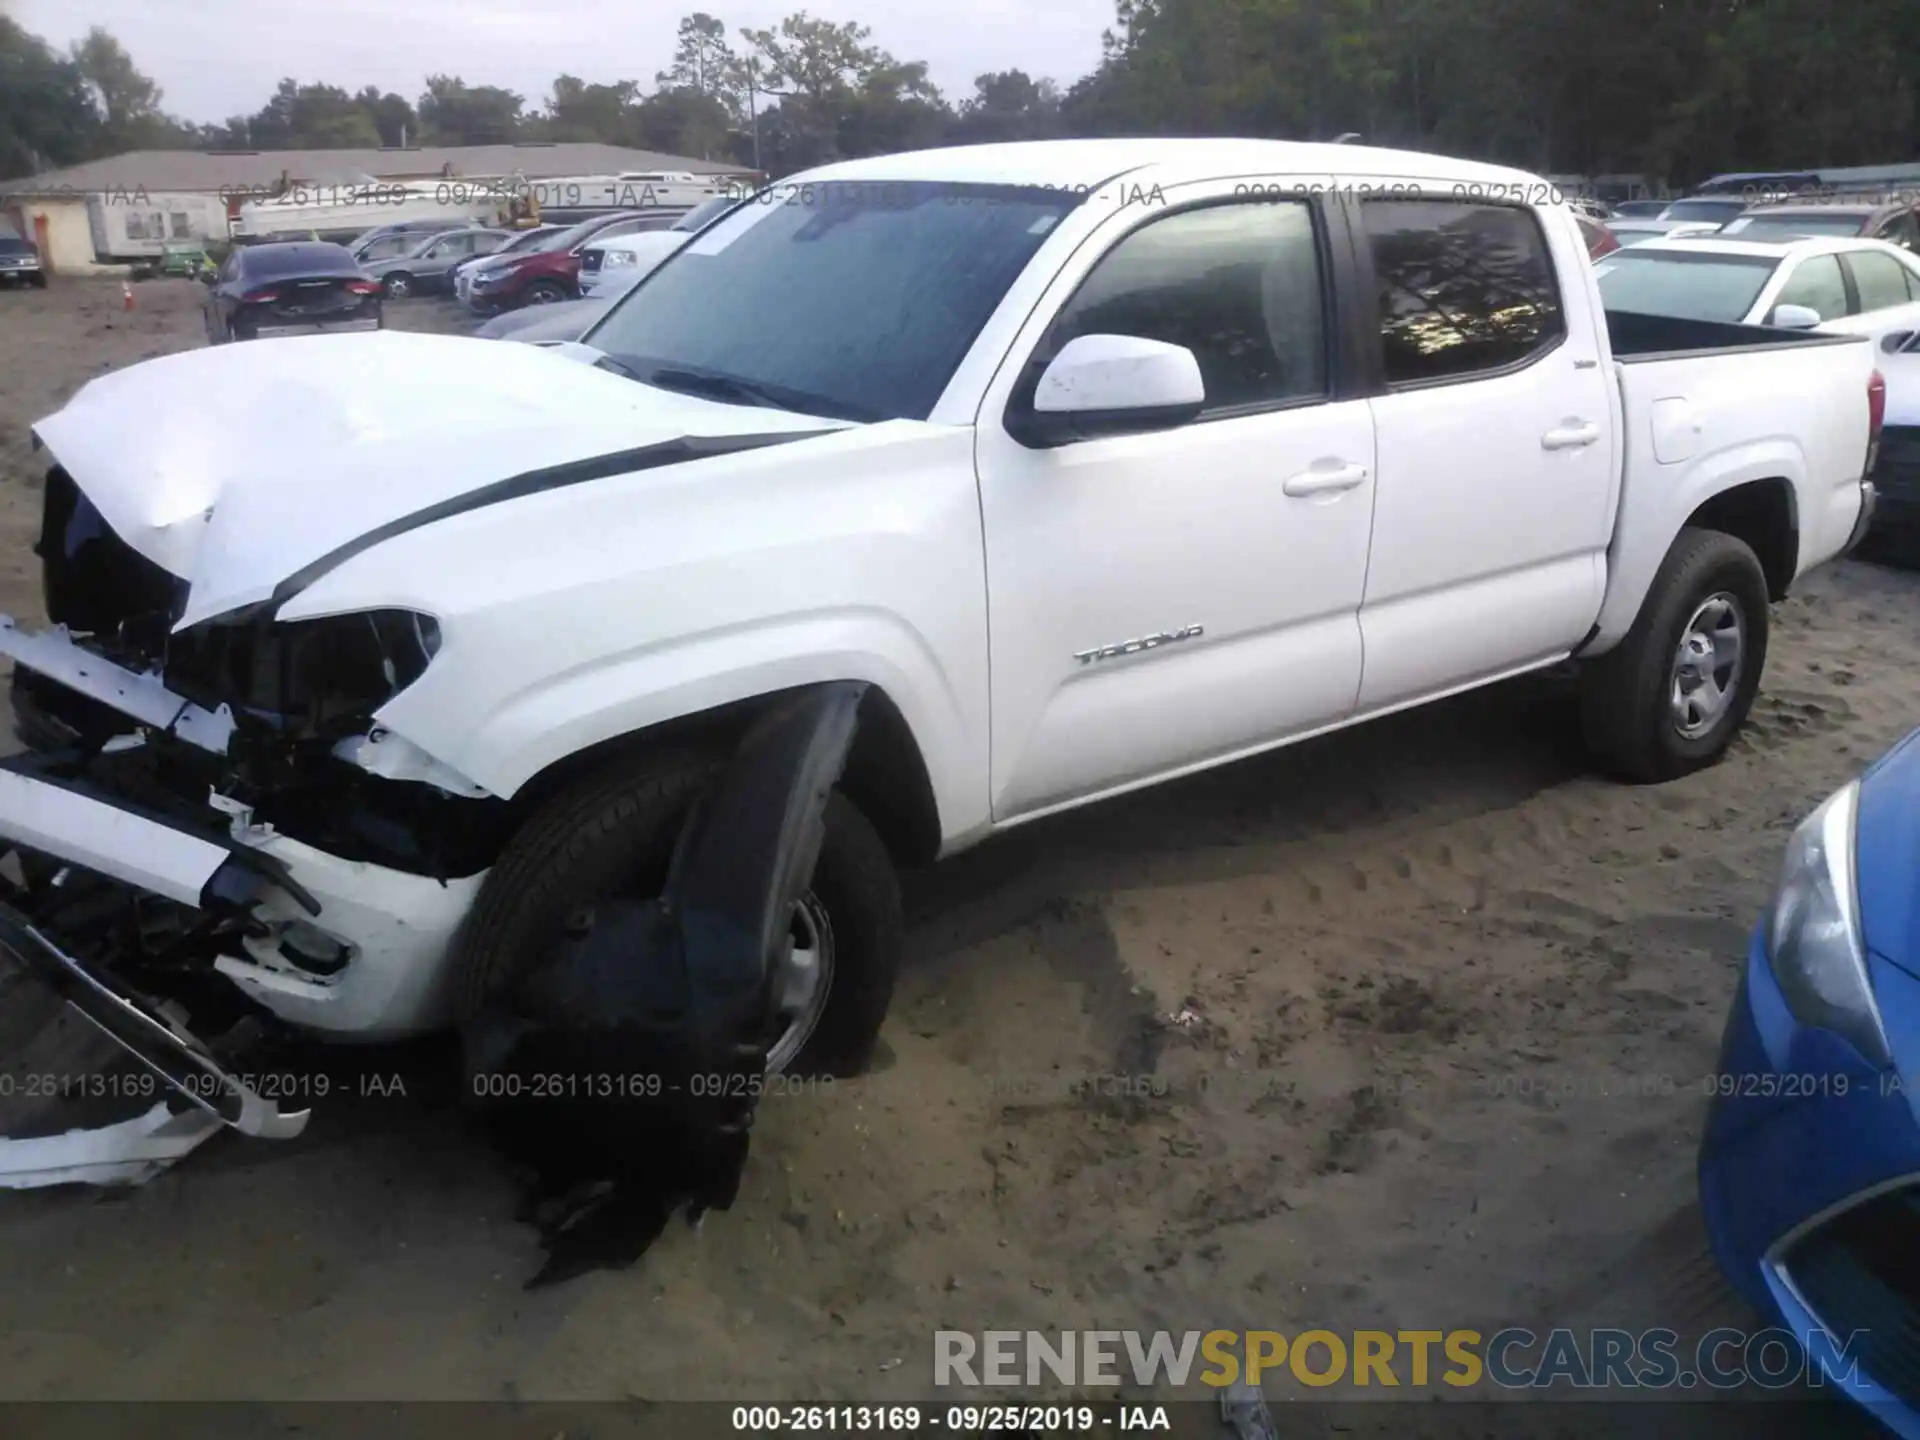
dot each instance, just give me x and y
(1810, 1165)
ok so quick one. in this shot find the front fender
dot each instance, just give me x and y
(572, 617)
(566, 713)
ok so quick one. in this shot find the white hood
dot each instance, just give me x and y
(235, 466)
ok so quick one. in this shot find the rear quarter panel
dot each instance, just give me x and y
(1696, 425)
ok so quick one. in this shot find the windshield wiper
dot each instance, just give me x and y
(711, 386)
(607, 362)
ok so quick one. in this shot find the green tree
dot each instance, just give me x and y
(128, 102)
(392, 115)
(703, 62)
(1008, 105)
(47, 117)
(579, 110)
(455, 113)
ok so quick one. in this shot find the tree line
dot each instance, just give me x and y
(1676, 89)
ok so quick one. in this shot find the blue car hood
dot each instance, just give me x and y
(1888, 855)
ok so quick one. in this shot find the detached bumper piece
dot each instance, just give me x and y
(168, 1050)
(60, 820)
(679, 993)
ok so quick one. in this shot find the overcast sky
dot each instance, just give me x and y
(216, 58)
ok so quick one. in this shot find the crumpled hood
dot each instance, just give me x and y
(236, 466)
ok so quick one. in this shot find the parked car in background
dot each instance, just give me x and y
(384, 242)
(428, 267)
(1896, 222)
(1839, 287)
(612, 264)
(1638, 232)
(1810, 1164)
(182, 258)
(20, 262)
(546, 324)
(1716, 210)
(1754, 185)
(519, 243)
(300, 287)
(1637, 209)
(612, 267)
(1895, 536)
(1600, 240)
(550, 272)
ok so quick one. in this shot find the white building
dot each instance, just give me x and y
(91, 218)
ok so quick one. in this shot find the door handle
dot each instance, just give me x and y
(1315, 481)
(1570, 435)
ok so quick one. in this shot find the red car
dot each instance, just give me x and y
(1600, 240)
(550, 270)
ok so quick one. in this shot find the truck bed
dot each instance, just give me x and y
(1638, 338)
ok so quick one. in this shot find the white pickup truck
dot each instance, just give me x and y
(912, 499)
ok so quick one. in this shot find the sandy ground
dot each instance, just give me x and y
(1444, 1005)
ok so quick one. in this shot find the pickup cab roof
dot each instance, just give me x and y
(1077, 164)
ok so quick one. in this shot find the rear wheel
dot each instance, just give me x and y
(1669, 699)
(610, 837)
(398, 287)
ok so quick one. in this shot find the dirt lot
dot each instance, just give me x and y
(1383, 951)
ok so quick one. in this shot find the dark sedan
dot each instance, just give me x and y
(20, 263)
(302, 287)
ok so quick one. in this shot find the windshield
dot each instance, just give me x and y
(1690, 287)
(1718, 211)
(528, 240)
(1798, 222)
(10, 245)
(851, 300)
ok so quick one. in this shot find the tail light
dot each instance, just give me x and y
(260, 297)
(1876, 417)
(363, 287)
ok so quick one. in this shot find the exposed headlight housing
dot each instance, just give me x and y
(1812, 932)
(317, 679)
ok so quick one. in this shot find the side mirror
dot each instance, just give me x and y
(1101, 385)
(1794, 317)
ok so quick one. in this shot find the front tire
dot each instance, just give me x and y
(1669, 699)
(545, 292)
(611, 835)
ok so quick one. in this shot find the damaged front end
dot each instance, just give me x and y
(210, 829)
(207, 824)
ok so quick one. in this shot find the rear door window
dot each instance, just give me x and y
(1464, 289)
(1881, 280)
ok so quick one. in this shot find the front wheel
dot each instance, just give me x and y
(398, 287)
(609, 839)
(1669, 699)
(545, 292)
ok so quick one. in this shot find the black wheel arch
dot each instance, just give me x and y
(886, 776)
